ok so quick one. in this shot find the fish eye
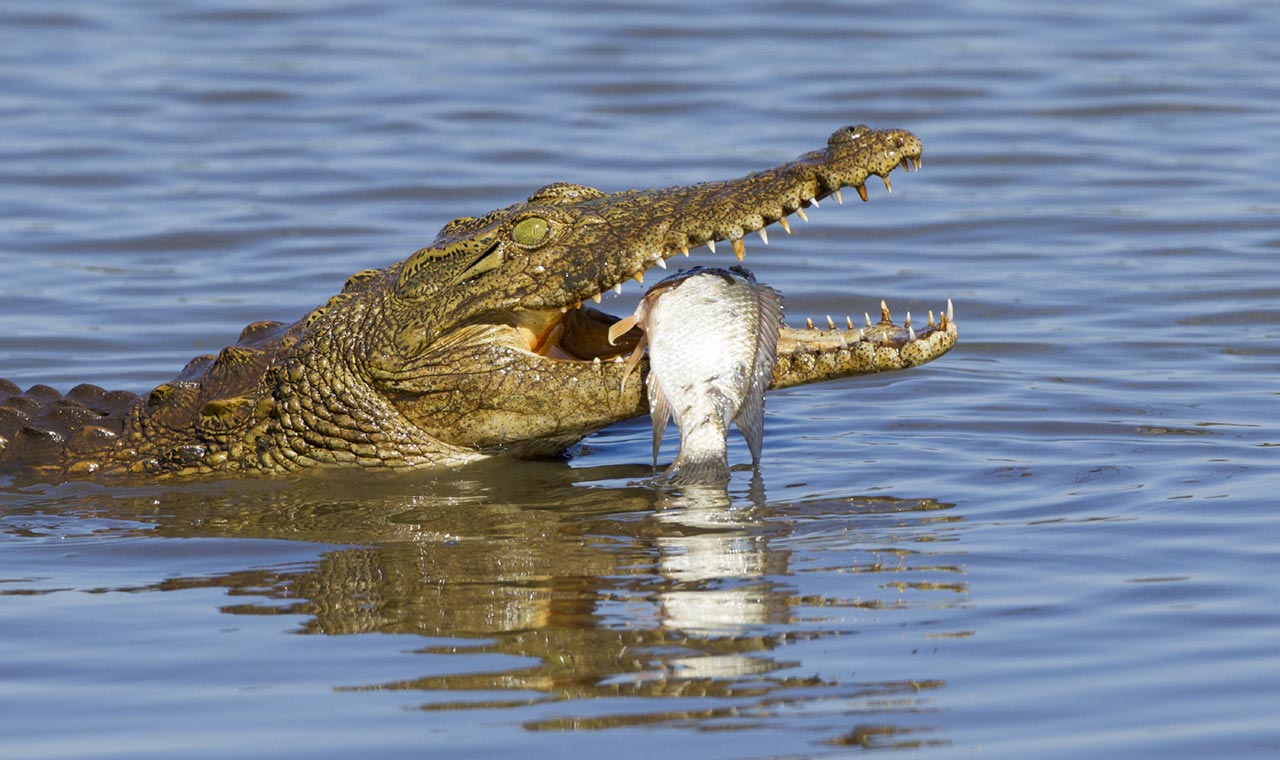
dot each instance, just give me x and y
(530, 231)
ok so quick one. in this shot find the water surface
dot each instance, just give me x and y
(1056, 541)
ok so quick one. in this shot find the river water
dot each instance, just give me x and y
(1059, 540)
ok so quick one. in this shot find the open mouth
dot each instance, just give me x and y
(578, 332)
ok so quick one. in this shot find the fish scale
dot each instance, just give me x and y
(712, 338)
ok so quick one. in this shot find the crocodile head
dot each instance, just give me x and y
(482, 340)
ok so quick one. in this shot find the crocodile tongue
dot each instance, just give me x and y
(580, 334)
(586, 335)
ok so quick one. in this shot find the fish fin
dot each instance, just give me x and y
(703, 469)
(770, 303)
(750, 421)
(621, 326)
(633, 360)
(750, 416)
(660, 411)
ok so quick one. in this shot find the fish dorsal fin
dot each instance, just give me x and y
(660, 411)
(750, 416)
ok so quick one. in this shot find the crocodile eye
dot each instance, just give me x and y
(530, 231)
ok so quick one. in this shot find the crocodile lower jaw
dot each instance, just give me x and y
(581, 335)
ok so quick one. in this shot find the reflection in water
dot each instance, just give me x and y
(697, 603)
(718, 570)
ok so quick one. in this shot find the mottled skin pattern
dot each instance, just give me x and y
(474, 346)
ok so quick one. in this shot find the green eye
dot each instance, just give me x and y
(530, 231)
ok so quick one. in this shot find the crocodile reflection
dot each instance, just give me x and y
(597, 591)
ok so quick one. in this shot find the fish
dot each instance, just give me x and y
(712, 339)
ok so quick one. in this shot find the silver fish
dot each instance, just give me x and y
(712, 336)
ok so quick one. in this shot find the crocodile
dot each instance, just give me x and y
(481, 344)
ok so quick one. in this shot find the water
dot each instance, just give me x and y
(1056, 541)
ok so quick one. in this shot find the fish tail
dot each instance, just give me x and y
(701, 469)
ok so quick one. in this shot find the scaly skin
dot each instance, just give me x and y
(477, 345)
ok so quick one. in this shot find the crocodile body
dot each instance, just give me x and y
(476, 345)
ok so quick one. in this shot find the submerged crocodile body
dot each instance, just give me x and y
(477, 345)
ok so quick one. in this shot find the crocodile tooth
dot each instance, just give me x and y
(617, 359)
(596, 298)
(685, 251)
(662, 262)
(839, 197)
(867, 317)
(884, 312)
(831, 323)
(595, 360)
(578, 305)
(887, 186)
(862, 192)
(859, 335)
(617, 289)
(907, 322)
(712, 245)
(951, 316)
(848, 320)
(911, 334)
(786, 225)
(808, 322)
(739, 248)
(931, 322)
(800, 213)
(564, 309)
(764, 235)
(814, 201)
(638, 277)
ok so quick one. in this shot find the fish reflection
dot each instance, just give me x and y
(717, 565)
(718, 569)
(594, 592)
